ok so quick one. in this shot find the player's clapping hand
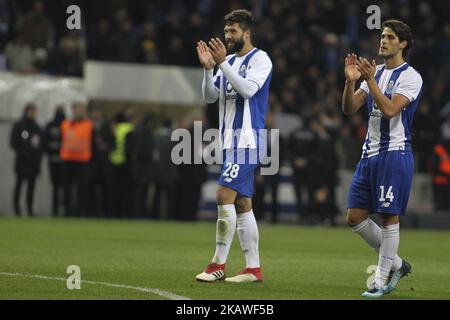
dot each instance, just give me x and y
(205, 57)
(218, 50)
(366, 68)
(351, 70)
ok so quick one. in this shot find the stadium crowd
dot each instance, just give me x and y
(306, 40)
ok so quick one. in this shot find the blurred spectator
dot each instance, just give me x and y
(359, 128)
(301, 145)
(40, 60)
(26, 141)
(352, 24)
(37, 28)
(259, 198)
(172, 54)
(19, 55)
(52, 138)
(323, 173)
(441, 175)
(139, 154)
(424, 133)
(190, 180)
(271, 182)
(101, 183)
(77, 136)
(100, 43)
(331, 52)
(166, 173)
(349, 148)
(120, 167)
(125, 43)
(66, 59)
(148, 49)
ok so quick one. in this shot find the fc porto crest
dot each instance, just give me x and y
(243, 70)
(390, 87)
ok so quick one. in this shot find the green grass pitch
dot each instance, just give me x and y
(298, 262)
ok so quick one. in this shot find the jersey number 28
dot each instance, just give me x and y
(231, 171)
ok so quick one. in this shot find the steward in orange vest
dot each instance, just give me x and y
(77, 137)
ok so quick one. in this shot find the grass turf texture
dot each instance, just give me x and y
(298, 262)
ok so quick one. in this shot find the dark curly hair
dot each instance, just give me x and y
(241, 16)
(403, 32)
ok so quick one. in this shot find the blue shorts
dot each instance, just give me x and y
(382, 183)
(238, 171)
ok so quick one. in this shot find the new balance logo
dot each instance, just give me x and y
(228, 180)
(385, 204)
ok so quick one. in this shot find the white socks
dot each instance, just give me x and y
(249, 238)
(388, 252)
(374, 236)
(370, 232)
(226, 226)
(247, 231)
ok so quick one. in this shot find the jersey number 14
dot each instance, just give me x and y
(389, 195)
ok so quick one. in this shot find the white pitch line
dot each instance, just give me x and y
(162, 293)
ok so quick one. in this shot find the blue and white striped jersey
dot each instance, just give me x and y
(238, 113)
(392, 134)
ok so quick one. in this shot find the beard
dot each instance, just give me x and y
(235, 46)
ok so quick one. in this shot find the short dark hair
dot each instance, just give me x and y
(29, 106)
(241, 16)
(403, 32)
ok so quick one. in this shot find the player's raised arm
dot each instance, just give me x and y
(352, 101)
(209, 92)
(389, 108)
